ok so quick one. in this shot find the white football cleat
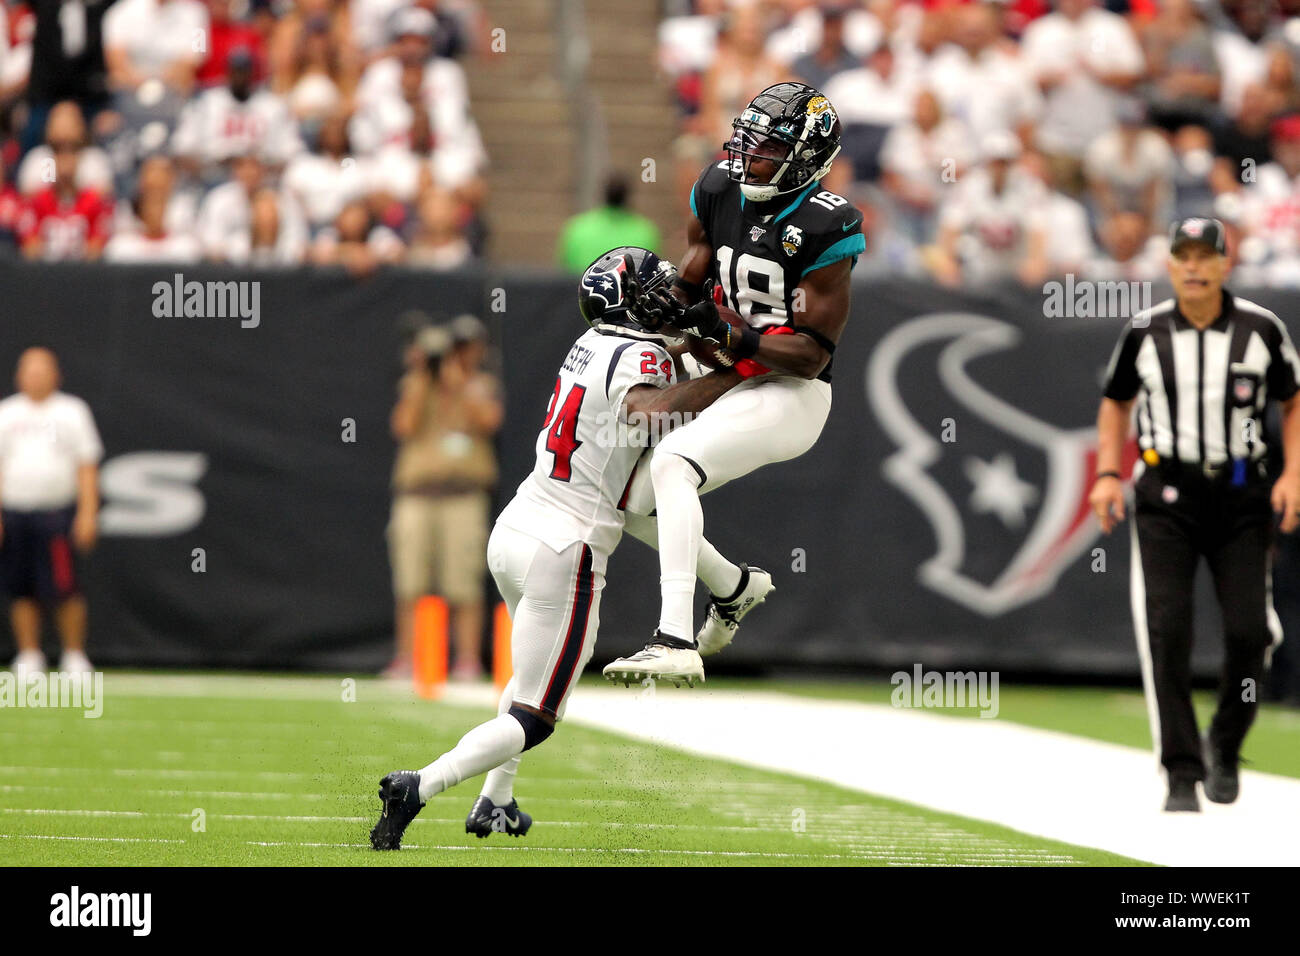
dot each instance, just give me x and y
(664, 658)
(75, 662)
(28, 662)
(722, 620)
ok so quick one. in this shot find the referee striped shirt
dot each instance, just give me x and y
(1202, 392)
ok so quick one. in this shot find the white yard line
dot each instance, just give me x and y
(1040, 782)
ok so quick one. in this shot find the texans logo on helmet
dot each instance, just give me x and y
(605, 286)
(1012, 484)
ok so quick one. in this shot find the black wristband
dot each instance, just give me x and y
(1107, 474)
(743, 344)
(693, 291)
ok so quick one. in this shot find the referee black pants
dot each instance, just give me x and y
(1177, 521)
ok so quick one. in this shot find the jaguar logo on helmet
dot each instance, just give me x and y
(791, 240)
(822, 114)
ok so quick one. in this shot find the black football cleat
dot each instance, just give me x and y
(1182, 796)
(1221, 781)
(486, 817)
(400, 793)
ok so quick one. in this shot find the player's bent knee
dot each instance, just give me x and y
(535, 728)
(672, 468)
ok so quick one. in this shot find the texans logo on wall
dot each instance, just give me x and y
(1004, 492)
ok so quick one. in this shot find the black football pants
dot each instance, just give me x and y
(1232, 528)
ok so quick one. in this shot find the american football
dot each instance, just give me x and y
(360, 508)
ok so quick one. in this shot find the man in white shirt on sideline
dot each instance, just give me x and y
(49, 504)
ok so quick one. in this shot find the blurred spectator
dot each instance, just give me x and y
(1243, 141)
(1130, 253)
(154, 40)
(64, 124)
(393, 89)
(231, 120)
(804, 29)
(979, 78)
(741, 68)
(1240, 49)
(687, 46)
(1183, 83)
(921, 161)
(870, 100)
(1193, 172)
(1128, 169)
(1069, 239)
(446, 414)
(369, 20)
(1270, 213)
(327, 20)
(356, 242)
(244, 222)
(11, 207)
(49, 509)
(67, 62)
(994, 226)
(438, 242)
(15, 64)
(226, 34)
(830, 56)
(317, 82)
(327, 180)
(65, 220)
(152, 241)
(589, 235)
(157, 179)
(1081, 57)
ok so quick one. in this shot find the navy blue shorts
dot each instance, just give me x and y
(36, 555)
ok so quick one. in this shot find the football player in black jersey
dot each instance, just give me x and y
(763, 285)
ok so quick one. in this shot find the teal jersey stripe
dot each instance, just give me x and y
(797, 200)
(853, 246)
(695, 210)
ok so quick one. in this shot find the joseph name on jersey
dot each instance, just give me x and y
(584, 459)
(759, 260)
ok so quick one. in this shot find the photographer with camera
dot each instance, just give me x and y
(447, 412)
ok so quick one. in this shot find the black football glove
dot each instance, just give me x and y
(653, 309)
(702, 319)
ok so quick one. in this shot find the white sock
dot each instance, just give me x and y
(719, 575)
(681, 529)
(486, 746)
(499, 784)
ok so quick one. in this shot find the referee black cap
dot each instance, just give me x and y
(1196, 229)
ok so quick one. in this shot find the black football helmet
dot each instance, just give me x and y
(602, 297)
(792, 124)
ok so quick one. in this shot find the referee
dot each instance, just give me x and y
(1201, 368)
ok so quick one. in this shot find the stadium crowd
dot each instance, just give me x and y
(252, 132)
(1002, 139)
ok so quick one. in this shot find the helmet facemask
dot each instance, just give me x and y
(799, 156)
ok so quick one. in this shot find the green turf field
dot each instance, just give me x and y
(249, 770)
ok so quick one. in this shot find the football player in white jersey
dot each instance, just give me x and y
(549, 548)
